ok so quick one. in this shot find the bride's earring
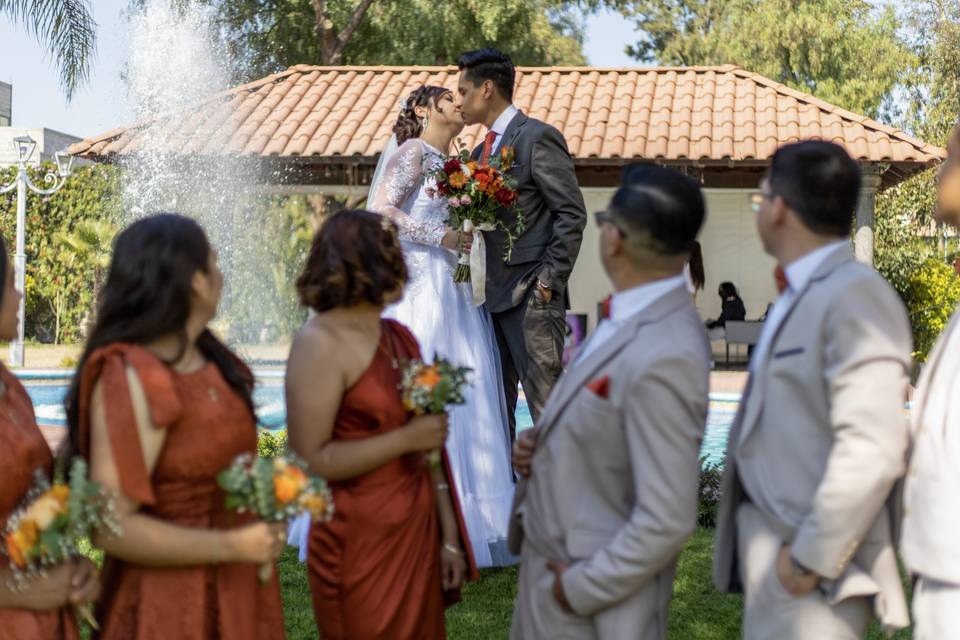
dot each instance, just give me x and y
(426, 123)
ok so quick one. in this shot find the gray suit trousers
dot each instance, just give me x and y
(530, 339)
(770, 612)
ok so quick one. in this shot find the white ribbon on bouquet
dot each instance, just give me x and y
(477, 260)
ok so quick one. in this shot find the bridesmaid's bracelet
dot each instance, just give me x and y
(443, 486)
(452, 549)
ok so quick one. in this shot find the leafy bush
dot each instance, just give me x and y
(271, 444)
(932, 293)
(711, 473)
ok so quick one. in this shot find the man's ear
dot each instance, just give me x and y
(488, 89)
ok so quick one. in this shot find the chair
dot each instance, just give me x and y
(742, 332)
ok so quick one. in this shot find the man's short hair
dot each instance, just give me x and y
(662, 204)
(820, 182)
(489, 64)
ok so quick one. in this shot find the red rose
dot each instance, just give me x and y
(505, 197)
(451, 166)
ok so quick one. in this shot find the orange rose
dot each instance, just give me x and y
(429, 378)
(472, 165)
(285, 488)
(315, 504)
(457, 180)
(13, 550)
(60, 492)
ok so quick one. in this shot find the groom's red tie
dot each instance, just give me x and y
(488, 141)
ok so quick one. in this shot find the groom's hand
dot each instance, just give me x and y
(523, 450)
(545, 291)
(558, 593)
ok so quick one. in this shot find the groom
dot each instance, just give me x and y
(527, 294)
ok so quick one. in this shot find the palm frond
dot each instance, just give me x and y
(68, 31)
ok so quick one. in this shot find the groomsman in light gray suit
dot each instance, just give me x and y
(821, 437)
(932, 497)
(609, 489)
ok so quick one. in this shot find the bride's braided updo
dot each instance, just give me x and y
(409, 125)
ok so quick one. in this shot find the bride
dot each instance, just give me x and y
(442, 315)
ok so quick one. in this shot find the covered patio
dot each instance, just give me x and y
(319, 130)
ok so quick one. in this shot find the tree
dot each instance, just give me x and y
(66, 28)
(271, 35)
(846, 52)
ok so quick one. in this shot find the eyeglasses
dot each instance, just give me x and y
(603, 217)
(757, 198)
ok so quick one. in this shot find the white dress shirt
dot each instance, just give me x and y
(500, 126)
(626, 304)
(798, 275)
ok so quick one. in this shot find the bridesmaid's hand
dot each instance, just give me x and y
(50, 590)
(85, 582)
(259, 543)
(523, 450)
(427, 433)
(453, 567)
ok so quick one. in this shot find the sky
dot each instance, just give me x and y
(98, 106)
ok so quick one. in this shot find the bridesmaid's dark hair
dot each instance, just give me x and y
(147, 295)
(409, 124)
(355, 257)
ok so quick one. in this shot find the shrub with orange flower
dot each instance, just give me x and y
(275, 489)
(431, 388)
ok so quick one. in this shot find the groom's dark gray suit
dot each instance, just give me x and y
(530, 330)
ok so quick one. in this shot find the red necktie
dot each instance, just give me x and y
(488, 141)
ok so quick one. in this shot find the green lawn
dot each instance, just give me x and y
(698, 611)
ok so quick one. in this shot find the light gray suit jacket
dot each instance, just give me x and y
(613, 486)
(931, 518)
(823, 424)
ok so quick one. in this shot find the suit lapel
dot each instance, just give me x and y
(758, 379)
(580, 375)
(509, 136)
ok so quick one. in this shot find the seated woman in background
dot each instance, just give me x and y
(395, 550)
(732, 308)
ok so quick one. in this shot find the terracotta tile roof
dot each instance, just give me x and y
(682, 114)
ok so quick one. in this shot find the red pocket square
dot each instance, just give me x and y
(601, 387)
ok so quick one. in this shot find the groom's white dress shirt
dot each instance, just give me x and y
(626, 304)
(500, 126)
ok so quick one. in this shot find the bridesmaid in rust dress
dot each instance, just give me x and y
(41, 610)
(160, 407)
(393, 555)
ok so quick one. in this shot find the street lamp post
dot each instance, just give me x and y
(25, 146)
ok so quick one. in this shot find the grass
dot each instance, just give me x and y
(698, 611)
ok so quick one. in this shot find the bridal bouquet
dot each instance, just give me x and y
(275, 489)
(475, 193)
(430, 388)
(48, 528)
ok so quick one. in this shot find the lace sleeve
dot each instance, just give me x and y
(404, 174)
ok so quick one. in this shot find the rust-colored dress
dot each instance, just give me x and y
(207, 426)
(375, 568)
(22, 451)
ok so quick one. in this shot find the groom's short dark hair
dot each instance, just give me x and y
(489, 64)
(662, 204)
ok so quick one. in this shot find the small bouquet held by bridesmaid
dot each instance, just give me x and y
(275, 489)
(475, 193)
(428, 389)
(53, 522)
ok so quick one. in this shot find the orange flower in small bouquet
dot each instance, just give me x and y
(428, 389)
(275, 489)
(48, 528)
(476, 194)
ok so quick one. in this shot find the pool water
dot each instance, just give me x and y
(47, 397)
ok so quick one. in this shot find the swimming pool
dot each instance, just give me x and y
(47, 392)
